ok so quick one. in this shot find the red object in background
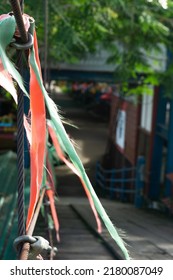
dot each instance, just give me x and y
(106, 96)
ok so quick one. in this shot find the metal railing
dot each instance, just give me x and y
(122, 182)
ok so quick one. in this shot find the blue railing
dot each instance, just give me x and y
(123, 182)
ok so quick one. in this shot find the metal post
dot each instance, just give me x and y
(96, 175)
(169, 163)
(139, 198)
(112, 185)
(123, 187)
(156, 161)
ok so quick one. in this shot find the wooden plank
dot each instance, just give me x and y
(76, 242)
(142, 231)
(148, 235)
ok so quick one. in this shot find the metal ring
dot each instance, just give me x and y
(23, 239)
(23, 46)
(41, 243)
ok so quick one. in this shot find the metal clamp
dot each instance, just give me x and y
(23, 46)
(38, 245)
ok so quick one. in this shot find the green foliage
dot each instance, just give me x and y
(5, 7)
(130, 30)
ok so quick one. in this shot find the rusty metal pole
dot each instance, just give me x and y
(26, 246)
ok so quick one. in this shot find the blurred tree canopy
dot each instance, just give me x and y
(130, 30)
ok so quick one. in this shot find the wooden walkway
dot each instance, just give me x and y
(148, 235)
(77, 241)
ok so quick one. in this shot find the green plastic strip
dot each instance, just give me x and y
(7, 29)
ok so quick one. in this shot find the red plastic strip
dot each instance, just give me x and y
(50, 195)
(38, 138)
(73, 168)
